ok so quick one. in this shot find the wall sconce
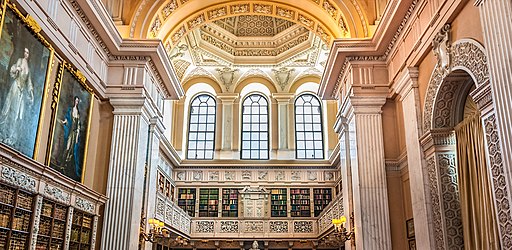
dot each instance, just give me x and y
(340, 232)
(157, 232)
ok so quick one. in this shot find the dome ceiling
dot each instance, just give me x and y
(253, 25)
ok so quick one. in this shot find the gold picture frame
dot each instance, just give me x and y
(26, 60)
(69, 134)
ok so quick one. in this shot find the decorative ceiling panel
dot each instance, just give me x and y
(254, 25)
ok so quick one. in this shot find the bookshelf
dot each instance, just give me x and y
(322, 197)
(81, 231)
(229, 202)
(52, 226)
(208, 202)
(16, 209)
(278, 202)
(300, 202)
(187, 200)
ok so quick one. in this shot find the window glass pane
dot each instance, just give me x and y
(254, 122)
(308, 127)
(202, 119)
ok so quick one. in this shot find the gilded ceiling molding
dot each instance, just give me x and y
(217, 12)
(199, 72)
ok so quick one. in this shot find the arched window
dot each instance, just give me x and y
(201, 127)
(309, 142)
(255, 127)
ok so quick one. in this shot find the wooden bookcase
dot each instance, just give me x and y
(278, 202)
(81, 231)
(322, 197)
(300, 202)
(187, 200)
(52, 226)
(16, 211)
(208, 202)
(229, 202)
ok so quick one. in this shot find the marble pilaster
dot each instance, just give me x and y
(407, 88)
(227, 100)
(497, 27)
(284, 131)
(369, 184)
(125, 181)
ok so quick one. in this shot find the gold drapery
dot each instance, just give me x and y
(477, 206)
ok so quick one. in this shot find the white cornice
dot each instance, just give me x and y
(99, 23)
(377, 48)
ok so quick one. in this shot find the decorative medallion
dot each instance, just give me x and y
(18, 178)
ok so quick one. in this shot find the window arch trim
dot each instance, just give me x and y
(316, 135)
(201, 133)
(263, 152)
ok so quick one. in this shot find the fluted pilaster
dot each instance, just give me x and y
(370, 195)
(125, 176)
(496, 18)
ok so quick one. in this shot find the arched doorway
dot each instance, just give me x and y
(459, 89)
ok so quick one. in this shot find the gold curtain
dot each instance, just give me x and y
(477, 206)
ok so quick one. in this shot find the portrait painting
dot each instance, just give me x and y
(409, 226)
(71, 120)
(25, 58)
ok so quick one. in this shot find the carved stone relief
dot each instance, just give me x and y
(441, 47)
(436, 207)
(180, 176)
(329, 176)
(262, 175)
(85, 205)
(57, 194)
(253, 227)
(198, 175)
(302, 226)
(229, 175)
(18, 178)
(278, 226)
(227, 76)
(246, 175)
(296, 175)
(451, 201)
(229, 227)
(204, 226)
(501, 192)
(214, 176)
(279, 175)
(282, 76)
(312, 175)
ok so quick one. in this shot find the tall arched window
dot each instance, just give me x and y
(255, 127)
(309, 142)
(201, 127)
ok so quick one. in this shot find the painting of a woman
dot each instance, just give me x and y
(19, 98)
(24, 65)
(72, 116)
(71, 125)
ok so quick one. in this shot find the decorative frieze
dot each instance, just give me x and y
(56, 194)
(18, 178)
(85, 205)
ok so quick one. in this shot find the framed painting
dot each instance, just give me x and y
(25, 63)
(412, 244)
(72, 107)
(409, 225)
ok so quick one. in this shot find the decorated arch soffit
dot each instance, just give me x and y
(227, 40)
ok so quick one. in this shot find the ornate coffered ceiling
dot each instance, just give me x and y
(253, 25)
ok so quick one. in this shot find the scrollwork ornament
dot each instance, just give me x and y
(18, 178)
(442, 49)
(57, 194)
(84, 205)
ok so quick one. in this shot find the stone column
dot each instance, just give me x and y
(226, 101)
(283, 101)
(125, 184)
(407, 88)
(369, 185)
(496, 21)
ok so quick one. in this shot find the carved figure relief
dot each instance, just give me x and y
(328, 176)
(279, 175)
(198, 175)
(262, 175)
(295, 175)
(229, 176)
(214, 176)
(180, 176)
(312, 176)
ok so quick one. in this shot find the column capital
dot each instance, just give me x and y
(228, 98)
(406, 82)
(363, 105)
(128, 105)
(283, 98)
